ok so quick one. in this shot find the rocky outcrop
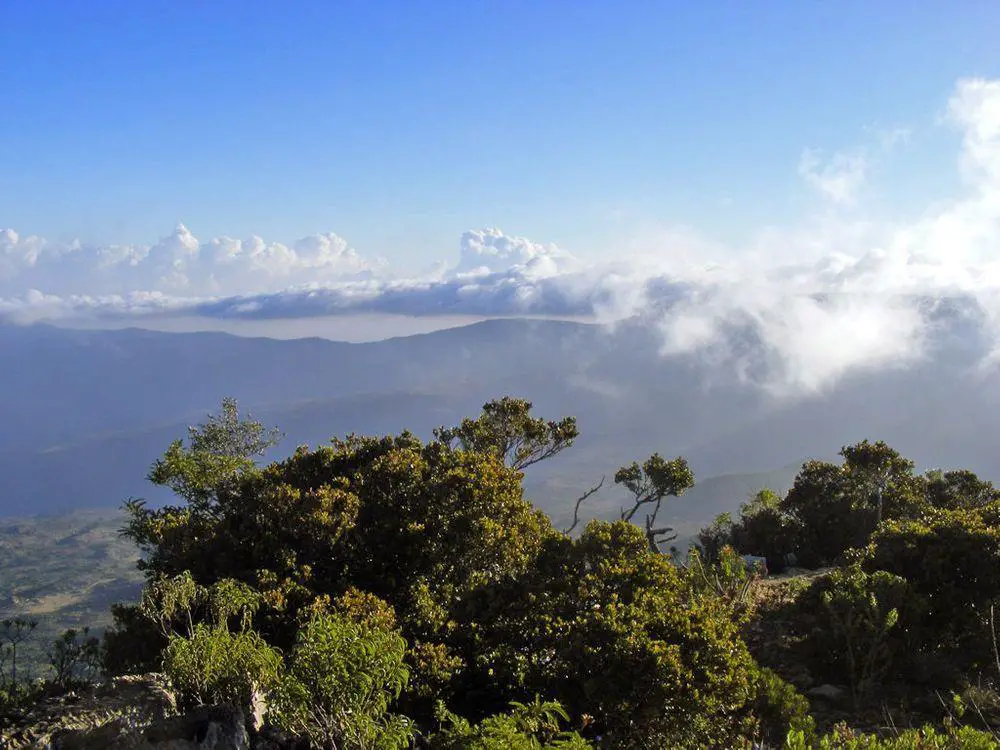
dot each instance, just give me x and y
(127, 713)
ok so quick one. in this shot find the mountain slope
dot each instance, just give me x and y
(84, 413)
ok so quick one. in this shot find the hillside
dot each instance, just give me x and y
(84, 413)
(65, 572)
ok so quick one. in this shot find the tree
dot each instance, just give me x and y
(507, 429)
(418, 525)
(832, 507)
(873, 469)
(219, 453)
(13, 632)
(75, 656)
(612, 630)
(952, 490)
(649, 484)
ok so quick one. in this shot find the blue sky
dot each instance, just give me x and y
(399, 125)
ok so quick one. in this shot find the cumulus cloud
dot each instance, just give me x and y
(491, 251)
(794, 309)
(177, 264)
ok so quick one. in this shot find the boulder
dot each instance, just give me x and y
(121, 704)
(827, 692)
(137, 713)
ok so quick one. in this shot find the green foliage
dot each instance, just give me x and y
(861, 612)
(780, 709)
(219, 453)
(716, 536)
(212, 655)
(829, 509)
(75, 657)
(763, 528)
(399, 575)
(14, 631)
(613, 631)
(877, 476)
(339, 683)
(421, 526)
(531, 726)
(507, 430)
(951, 559)
(728, 580)
(218, 450)
(926, 738)
(824, 514)
(649, 483)
(214, 665)
(953, 490)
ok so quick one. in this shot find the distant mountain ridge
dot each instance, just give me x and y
(84, 413)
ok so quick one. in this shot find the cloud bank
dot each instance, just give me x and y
(795, 308)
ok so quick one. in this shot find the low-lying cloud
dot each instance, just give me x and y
(795, 309)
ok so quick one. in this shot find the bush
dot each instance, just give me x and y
(857, 642)
(212, 655)
(614, 631)
(728, 580)
(213, 665)
(531, 726)
(927, 738)
(951, 560)
(75, 657)
(339, 683)
(779, 709)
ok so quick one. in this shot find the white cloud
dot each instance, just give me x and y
(178, 263)
(491, 251)
(794, 309)
(839, 178)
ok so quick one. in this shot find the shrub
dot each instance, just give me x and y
(951, 560)
(779, 709)
(856, 643)
(212, 655)
(74, 657)
(926, 738)
(728, 580)
(213, 665)
(339, 683)
(531, 726)
(614, 631)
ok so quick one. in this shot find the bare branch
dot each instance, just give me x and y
(579, 502)
(658, 537)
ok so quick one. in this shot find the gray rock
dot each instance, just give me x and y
(129, 713)
(826, 692)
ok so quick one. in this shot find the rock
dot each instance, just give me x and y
(131, 713)
(206, 728)
(211, 728)
(117, 707)
(826, 692)
(258, 710)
